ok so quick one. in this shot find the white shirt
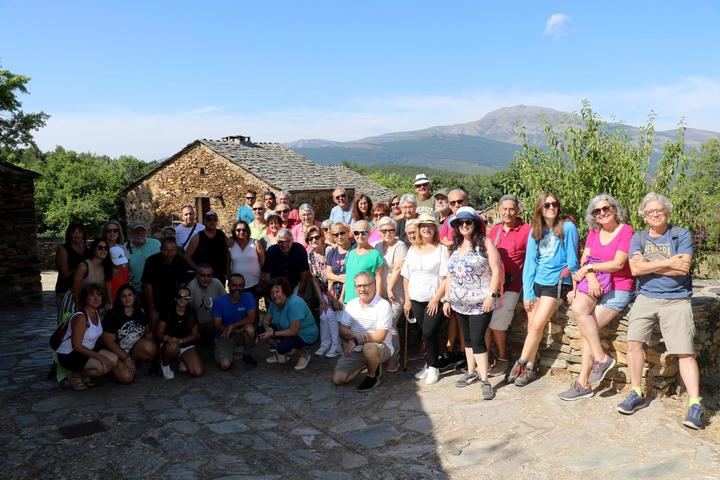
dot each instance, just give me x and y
(182, 233)
(425, 272)
(368, 318)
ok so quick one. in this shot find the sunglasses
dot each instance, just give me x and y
(394, 204)
(387, 230)
(464, 223)
(549, 205)
(598, 211)
(101, 247)
(326, 229)
(282, 211)
(241, 230)
(456, 202)
(378, 214)
(361, 232)
(338, 197)
(250, 198)
(339, 234)
(314, 237)
(183, 297)
(258, 209)
(113, 230)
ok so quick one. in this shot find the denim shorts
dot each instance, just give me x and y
(616, 299)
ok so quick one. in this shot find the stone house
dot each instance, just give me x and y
(19, 260)
(214, 175)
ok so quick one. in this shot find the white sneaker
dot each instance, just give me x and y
(433, 375)
(182, 368)
(332, 353)
(321, 351)
(167, 372)
(422, 373)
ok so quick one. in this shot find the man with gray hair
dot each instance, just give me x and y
(408, 207)
(660, 259)
(287, 259)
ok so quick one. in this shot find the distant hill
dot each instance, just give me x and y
(481, 146)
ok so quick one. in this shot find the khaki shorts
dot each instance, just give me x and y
(225, 347)
(354, 362)
(676, 322)
(503, 316)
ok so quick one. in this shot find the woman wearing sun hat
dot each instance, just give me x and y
(424, 273)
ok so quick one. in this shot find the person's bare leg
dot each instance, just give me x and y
(690, 374)
(193, 362)
(544, 309)
(636, 362)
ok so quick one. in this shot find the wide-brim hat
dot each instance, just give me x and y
(425, 218)
(465, 213)
(421, 179)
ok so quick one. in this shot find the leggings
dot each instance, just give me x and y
(431, 326)
(474, 327)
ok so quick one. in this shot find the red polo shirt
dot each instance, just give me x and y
(512, 246)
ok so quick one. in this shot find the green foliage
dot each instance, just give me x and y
(16, 126)
(79, 186)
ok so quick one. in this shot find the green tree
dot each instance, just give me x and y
(16, 126)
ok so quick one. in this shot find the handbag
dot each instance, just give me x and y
(603, 278)
(58, 335)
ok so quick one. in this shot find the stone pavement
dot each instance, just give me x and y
(273, 422)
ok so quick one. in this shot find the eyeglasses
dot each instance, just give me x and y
(113, 230)
(361, 232)
(378, 214)
(314, 237)
(549, 205)
(387, 230)
(604, 209)
(338, 197)
(241, 230)
(250, 198)
(101, 247)
(363, 286)
(325, 229)
(657, 211)
(339, 234)
(183, 297)
(456, 202)
(465, 223)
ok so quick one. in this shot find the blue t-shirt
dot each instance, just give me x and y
(544, 264)
(654, 285)
(295, 308)
(337, 214)
(229, 312)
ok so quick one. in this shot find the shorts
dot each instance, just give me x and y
(225, 347)
(185, 347)
(75, 361)
(355, 361)
(552, 291)
(503, 316)
(616, 300)
(676, 322)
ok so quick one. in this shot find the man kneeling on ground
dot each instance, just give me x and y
(365, 331)
(233, 315)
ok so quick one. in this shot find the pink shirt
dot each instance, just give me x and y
(446, 231)
(622, 279)
(298, 232)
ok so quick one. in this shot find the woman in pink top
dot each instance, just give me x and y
(604, 287)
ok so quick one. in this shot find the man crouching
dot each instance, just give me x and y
(365, 332)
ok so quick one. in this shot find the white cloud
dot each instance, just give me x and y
(556, 25)
(157, 135)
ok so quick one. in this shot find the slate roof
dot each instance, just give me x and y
(12, 169)
(283, 168)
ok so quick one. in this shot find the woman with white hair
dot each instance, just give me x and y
(393, 252)
(307, 220)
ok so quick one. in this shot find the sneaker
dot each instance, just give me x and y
(446, 363)
(433, 375)
(393, 365)
(276, 358)
(632, 403)
(499, 368)
(303, 361)
(576, 392)
(422, 373)
(368, 384)
(461, 365)
(517, 369)
(182, 368)
(694, 418)
(321, 351)
(167, 372)
(487, 390)
(600, 369)
(332, 353)
(467, 379)
(525, 377)
(249, 361)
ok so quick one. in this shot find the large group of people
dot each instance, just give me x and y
(345, 285)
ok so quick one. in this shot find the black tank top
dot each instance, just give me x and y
(213, 251)
(63, 284)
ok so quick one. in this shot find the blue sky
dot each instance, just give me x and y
(146, 78)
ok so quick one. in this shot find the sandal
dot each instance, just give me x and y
(77, 384)
(88, 381)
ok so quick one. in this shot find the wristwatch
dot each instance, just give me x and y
(495, 295)
(444, 300)
(590, 269)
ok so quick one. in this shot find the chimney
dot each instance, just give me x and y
(237, 139)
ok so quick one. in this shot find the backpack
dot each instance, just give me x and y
(58, 335)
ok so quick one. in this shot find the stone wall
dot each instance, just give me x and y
(200, 172)
(561, 346)
(19, 262)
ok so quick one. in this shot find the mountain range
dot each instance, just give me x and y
(481, 146)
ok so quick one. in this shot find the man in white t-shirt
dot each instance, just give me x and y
(365, 331)
(189, 227)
